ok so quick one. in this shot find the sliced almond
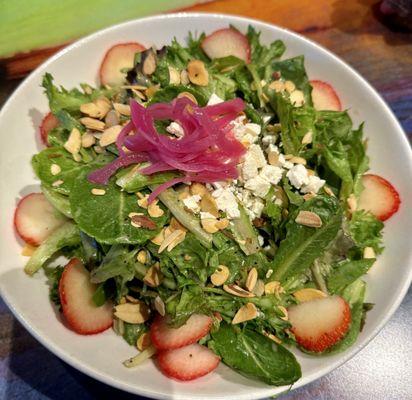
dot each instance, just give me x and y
(154, 210)
(131, 299)
(220, 276)
(150, 91)
(309, 196)
(184, 77)
(368, 252)
(259, 288)
(93, 124)
(198, 188)
(328, 191)
(308, 294)
(132, 313)
(140, 358)
(174, 76)
(179, 239)
(153, 276)
(143, 201)
(143, 341)
(307, 139)
(273, 158)
(187, 95)
(271, 336)
(209, 225)
(98, 192)
(236, 290)
(158, 239)
(308, 218)
(110, 135)
(208, 204)
(251, 279)
(142, 256)
(245, 313)
(55, 169)
(298, 160)
(74, 142)
(297, 98)
(88, 140)
(175, 225)
(57, 183)
(98, 149)
(352, 203)
(160, 306)
(149, 63)
(272, 287)
(139, 94)
(28, 250)
(290, 86)
(170, 238)
(284, 311)
(222, 224)
(112, 118)
(91, 110)
(277, 86)
(122, 109)
(197, 73)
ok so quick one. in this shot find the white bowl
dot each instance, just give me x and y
(100, 356)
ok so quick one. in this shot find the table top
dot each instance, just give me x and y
(382, 370)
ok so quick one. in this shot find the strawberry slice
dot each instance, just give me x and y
(324, 97)
(165, 337)
(76, 292)
(319, 324)
(379, 197)
(35, 218)
(188, 363)
(226, 42)
(117, 58)
(48, 123)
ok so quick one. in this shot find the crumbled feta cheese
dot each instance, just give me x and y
(226, 201)
(258, 186)
(314, 184)
(256, 152)
(298, 176)
(271, 148)
(257, 208)
(278, 202)
(271, 174)
(261, 240)
(266, 119)
(283, 163)
(176, 129)
(249, 167)
(269, 140)
(214, 99)
(192, 203)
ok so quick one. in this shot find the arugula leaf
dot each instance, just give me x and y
(131, 180)
(106, 218)
(302, 244)
(347, 272)
(255, 356)
(332, 124)
(64, 236)
(366, 230)
(133, 331)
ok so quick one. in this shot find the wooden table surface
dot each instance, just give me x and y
(352, 30)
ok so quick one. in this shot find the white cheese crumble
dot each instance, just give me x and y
(226, 202)
(245, 132)
(314, 184)
(261, 240)
(214, 99)
(298, 176)
(192, 203)
(176, 129)
(271, 174)
(259, 186)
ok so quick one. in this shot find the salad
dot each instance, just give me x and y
(213, 204)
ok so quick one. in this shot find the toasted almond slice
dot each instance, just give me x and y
(307, 139)
(143, 201)
(93, 124)
(272, 287)
(160, 306)
(139, 94)
(88, 140)
(208, 204)
(175, 225)
(122, 109)
(98, 149)
(245, 313)
(57, 183)
(143, 341)
(174, 76)
(328, 191)
(154, 210)
(352, 203)
(110, 135)
(251, 279)
(98, 192)
(277, 86)
(273, 158)
(142, 256)
(309, 196)
(290, 86)
(132, 299)
(74, 142)
(198, 188)
(140, 358)
(368, 252)
(136, 87)
(308, 294)
(197, 73)
(158, 239)
(284, 311)
(150, 91)
(90, 109)
(271, 336)
(188, 95)
(149, 63)
(297, 98)
(259, 288)
(222, 224)
(298, 160)
(209, 225)
(132, 313)
(220, 276)
(308, 218)
(55, 169)
(170, 238)
(28, 250)
(184, 77)
(177, 241)
(236, 290)
(153, 276)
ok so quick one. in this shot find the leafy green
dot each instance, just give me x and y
(106, 218)
(64, 236)
(366, 230)
(347, 272)
(54, 275)
(132, 332)
(244, 233)
(59, 201)
(303, 244)
(255, 356)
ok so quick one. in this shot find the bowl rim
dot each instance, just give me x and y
(109, 380)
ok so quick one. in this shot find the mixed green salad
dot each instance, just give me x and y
(208, 197)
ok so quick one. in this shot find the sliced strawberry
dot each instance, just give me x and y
(48, 123)
(165, 337)
(76, 292)
(226, 42)
(117, 58)
(35, 218)
(379, 197)
(324, 97)
(188, 363)
(319, 324)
